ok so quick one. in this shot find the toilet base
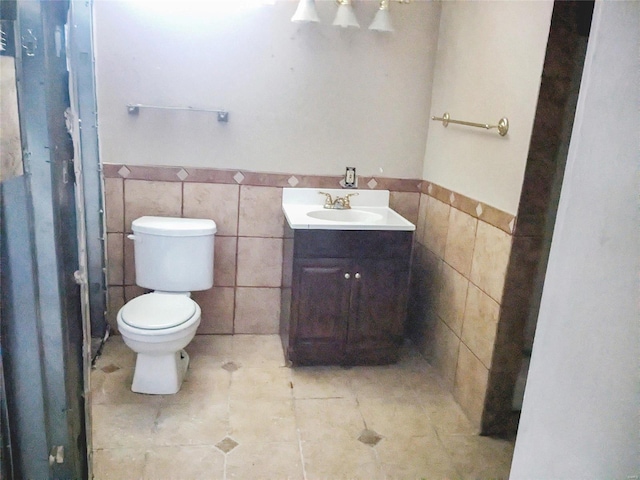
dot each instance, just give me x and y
(160, 374)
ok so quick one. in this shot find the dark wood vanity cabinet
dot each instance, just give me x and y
(344, 296)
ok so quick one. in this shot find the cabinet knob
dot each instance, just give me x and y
(357, 275)
(347, 276)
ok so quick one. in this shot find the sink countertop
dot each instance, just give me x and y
(298, 202)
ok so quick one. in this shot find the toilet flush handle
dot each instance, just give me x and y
(133, 237)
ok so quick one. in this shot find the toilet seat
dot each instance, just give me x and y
(158, 311)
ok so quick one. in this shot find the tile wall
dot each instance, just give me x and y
(246, 207)
(461, 254)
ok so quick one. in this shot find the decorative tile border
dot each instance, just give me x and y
(243, 177)
(491, 215)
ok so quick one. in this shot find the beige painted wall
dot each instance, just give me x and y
(488, 65)
(306, 99)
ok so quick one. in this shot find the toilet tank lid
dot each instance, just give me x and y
(173, 226)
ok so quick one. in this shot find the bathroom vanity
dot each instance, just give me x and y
(345, 284)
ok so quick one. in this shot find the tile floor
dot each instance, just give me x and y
(241, 413)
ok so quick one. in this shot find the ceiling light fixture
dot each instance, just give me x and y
(306, 12)
(382, 20)
(345, 16)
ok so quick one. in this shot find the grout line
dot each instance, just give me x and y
(304, 470)
(124, 203)
(182, 199)
(235, 277)
(224, 470)
(295, 416)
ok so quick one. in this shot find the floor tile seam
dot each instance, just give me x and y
(364, 421)
(195, 444)
(322, 398)
(258, 400)
(386, 395)
(102, 449)
(224, 468)
(298, 433)
(202, 402)
(453, 463)
(148, 448)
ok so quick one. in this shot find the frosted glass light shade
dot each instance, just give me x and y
(382, 20)
(306, 12)
(345, 16)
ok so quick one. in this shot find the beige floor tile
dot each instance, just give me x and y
(260, 383)
(424, 381)
(414, 457)
(217, 346)
(411, 360)
(392, 417)
(115, 352)
(262, 421)
(118, 463)
(446, 415)
(206, 383)
(258, 350)
(340, 460)
(479, 457)
(266, 461)
(202, 388)
(274, 412)
(379, 382)
(200, 364)
(191, 424)
(184, 463)
(114, 387)
(127, 425)
(327, 419)
(321, 382)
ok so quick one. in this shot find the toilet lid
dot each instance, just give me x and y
(155, 311)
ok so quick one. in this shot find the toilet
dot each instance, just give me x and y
(173, 257)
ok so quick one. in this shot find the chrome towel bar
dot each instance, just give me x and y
(502, 126)
(134, 108)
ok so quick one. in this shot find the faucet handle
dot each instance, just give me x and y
(347, 202)
(328, 203)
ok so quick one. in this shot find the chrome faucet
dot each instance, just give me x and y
(339, 203)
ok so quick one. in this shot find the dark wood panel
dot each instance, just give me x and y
(320, 304)
(352, 244)
(348, 297)
(378, 304)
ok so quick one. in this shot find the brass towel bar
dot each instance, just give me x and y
(502, 126)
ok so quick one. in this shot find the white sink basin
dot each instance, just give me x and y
(351, 215)
(303, 209)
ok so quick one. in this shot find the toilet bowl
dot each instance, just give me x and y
(173, 256)
(157, 326)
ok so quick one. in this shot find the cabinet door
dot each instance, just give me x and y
(320, 310)
(378, 310)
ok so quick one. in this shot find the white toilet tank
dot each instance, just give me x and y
(174, 254)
